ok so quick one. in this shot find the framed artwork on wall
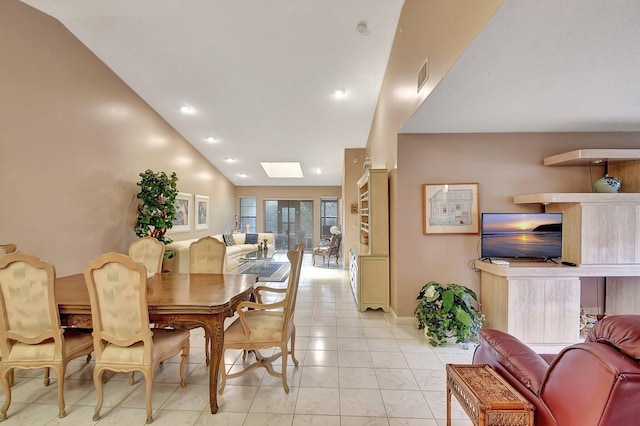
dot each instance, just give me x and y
(450, 208)
(182, 222)
(202, 211)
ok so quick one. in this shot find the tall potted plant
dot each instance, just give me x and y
(446, 311)
(156, 210)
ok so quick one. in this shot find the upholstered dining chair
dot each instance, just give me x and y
(206, 256)
(30, 332)
(122, 338)
(328, 250)
(266, 325)
(7, 248)
(148, 251)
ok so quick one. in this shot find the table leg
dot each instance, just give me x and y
(216, 331)
(448, 405)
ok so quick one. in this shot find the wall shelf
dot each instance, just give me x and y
(584, 157)
(577, 197)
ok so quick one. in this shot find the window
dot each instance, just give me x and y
(248, 214)
(328, 216)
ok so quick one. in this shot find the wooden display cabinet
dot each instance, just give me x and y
(369, 259)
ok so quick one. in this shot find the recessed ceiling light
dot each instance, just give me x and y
(317, 171)
(211, 139)
(243, 175)
(339, 93)
(282, 169)
(186, 109)
(230, 160)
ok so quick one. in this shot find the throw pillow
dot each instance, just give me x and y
(228, 240)
(251, 239)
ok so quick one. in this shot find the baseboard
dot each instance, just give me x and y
(395, 319)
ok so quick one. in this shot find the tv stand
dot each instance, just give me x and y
(540, 302)
(551, 259)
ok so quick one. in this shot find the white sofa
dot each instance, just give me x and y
(180, 263)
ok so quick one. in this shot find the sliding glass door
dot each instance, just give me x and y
(291, 221)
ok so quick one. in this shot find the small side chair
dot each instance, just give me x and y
(328, 250)
(30, 332)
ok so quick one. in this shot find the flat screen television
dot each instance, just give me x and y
(521, 235)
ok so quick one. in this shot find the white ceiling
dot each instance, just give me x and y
(543, 66)
(260, 73)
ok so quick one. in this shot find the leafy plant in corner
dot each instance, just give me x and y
(447, 311)
(157, 210)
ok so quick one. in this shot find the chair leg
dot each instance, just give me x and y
(6, 389)
(285, 352)
(293, 346)
(149, 385)
(132, 379)
(183, 363)
(97, 381)
(47, 382)
(60, 371)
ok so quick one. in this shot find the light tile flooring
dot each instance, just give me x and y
(356, 368)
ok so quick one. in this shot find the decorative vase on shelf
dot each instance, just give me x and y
(607, 184)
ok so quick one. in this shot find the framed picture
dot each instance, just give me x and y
(182, 222)
(450, 208)
(202, 212)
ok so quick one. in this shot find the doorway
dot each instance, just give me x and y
(291, 221)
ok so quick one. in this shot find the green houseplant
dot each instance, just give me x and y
(447, 311)
(156, 209)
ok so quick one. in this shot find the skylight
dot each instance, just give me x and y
(290, 169)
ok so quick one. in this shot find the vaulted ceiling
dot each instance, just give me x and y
(261, 75)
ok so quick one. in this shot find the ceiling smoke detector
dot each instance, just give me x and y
(362, 27)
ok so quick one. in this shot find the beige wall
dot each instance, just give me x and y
(73, 139)
(504, 165)
(314, 193)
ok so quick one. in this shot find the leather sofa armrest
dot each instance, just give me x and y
(592, 383)
(515, 357)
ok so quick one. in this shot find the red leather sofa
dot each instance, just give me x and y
(592, 383)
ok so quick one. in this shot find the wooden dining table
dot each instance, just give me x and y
(181, 300)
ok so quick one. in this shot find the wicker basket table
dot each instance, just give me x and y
(486, 397)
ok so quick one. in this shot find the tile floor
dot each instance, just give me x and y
(355, 369)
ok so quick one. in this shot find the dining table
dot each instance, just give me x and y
(180, 300)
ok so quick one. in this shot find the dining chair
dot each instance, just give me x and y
(266, 325)
(30, 332)
(328, 250)
(122, 338)
(7, 248)
(149, 251)
(206, 256)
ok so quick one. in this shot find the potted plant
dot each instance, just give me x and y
(446, 311)
(157, 210)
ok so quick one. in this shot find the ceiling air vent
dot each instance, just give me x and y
(423, 74)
